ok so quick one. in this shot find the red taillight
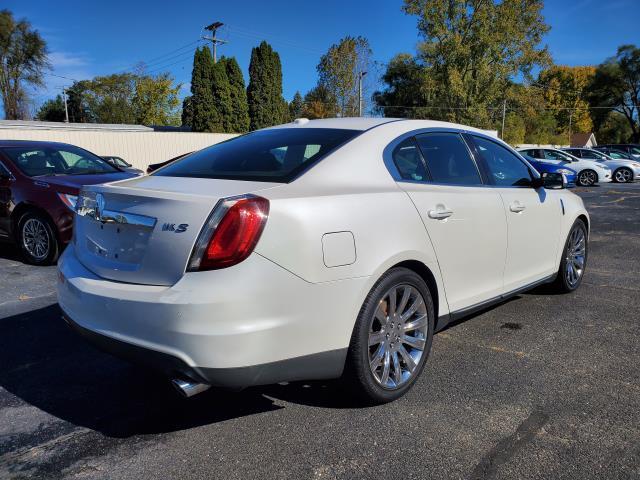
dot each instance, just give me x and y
(233, 230)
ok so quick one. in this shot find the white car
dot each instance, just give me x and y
(315, 250)
(624, 170)
(589, 171)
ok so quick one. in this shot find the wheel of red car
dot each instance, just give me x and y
(37, 239)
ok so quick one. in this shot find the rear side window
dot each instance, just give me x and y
(574, 152)
(53, 160)
(276, 155)
(408, 161)
(448, 159)
(505, 168)
(553, 155)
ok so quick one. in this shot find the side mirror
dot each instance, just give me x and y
(554, 181)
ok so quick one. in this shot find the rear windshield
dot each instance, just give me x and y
(40, 161)
(276, 155)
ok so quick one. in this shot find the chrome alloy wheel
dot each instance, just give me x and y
(623, 175)
(35, 238)
(588, 178)
(397, 336)
(575, 258)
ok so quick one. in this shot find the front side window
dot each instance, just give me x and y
(408, 161)
(448, 159)
(555, 155)
(537, 153)
(593, 154)
(67, 160)
(505, 168)
(574, 152)
(275, 155)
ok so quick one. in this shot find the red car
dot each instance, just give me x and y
(39, 184)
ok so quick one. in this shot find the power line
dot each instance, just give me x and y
(157, 59)
(255, 35)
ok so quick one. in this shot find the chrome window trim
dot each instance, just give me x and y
(387, 156)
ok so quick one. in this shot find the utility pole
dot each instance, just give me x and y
(570, 120)
(504, 113)
(214, 41)
(66, 110)
(360, 76)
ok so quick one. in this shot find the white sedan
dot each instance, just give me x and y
(590, 170)
(315, 250)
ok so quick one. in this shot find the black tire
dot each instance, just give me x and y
(623, 175)
(38, 221)
(562, 283)
(587, 178)
(358, 375)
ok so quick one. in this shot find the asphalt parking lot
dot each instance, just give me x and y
(543, 386)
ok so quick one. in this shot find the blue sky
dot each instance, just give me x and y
(89, 38)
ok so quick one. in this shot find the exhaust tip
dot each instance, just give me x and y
(187, 388)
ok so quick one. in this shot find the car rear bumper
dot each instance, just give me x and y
(251, 324)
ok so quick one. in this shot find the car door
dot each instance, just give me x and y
(6, 181)
(533, 215)
(464, 218)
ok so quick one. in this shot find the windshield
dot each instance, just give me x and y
(52, 160)
(276, 155)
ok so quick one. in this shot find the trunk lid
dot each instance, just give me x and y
(155, 223)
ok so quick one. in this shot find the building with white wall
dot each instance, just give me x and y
(137, 144)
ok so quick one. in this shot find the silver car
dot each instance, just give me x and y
(624, 170)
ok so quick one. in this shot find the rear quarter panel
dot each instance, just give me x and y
(350, 191)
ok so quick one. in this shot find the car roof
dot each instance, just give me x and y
(32, 143)
(366, 123)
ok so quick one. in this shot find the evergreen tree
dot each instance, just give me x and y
(220, 90)
(205, 114)
(264, 94)
(240, 109)
(296, 107)
(187, 112)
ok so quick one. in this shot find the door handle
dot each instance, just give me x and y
(440, 213)
(516, 207)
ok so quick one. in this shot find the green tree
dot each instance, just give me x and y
(52, 110)
(616, 88)
(205, 114)
(614, 128)
(319, 103)
(515, 129)
(564, 90)
(407, 94)
(339, 70)
(264, 93)
(23, 60)
(296, 107)
(155, 101)
(221, 90)
(239, 122)
(77, 103)
(187, 111)
(110, 98)
(470, 52)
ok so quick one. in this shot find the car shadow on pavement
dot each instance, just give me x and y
(9, 251)
(48, 366)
